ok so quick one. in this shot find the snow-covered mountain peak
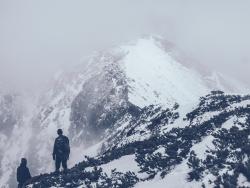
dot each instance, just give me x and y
(141, 73)
(152, 71)
(155, 77)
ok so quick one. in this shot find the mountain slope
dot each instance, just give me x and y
(212, 150)
(127, 97)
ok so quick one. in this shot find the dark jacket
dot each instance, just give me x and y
(23, 174)
(61, 147)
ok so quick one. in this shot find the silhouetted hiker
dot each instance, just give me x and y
(61, 151)
(23, 173)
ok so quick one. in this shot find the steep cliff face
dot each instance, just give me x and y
(126, 100)
(102, 101)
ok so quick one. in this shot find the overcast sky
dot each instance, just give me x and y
(37, 37)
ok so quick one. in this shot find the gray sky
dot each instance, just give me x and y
(37, 37)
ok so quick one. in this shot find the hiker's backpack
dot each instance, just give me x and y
(62, 145)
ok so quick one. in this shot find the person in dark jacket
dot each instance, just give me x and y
(23, 173)
(61, 151)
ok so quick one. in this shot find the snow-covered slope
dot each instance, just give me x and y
(211, 150)
(115, 100)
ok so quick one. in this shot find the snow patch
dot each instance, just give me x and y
(205, 144)
(123, 164)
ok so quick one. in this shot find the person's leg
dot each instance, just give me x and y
(64, 164)
(58, 163)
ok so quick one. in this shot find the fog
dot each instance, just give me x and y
(37, 38)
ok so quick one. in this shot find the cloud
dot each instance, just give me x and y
(39, 37)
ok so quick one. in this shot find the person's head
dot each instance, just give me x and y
(59, 132)
(23, 162)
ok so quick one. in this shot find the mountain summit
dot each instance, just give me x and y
(89, 99)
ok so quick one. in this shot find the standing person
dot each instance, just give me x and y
(23, 173)
(61, 151)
